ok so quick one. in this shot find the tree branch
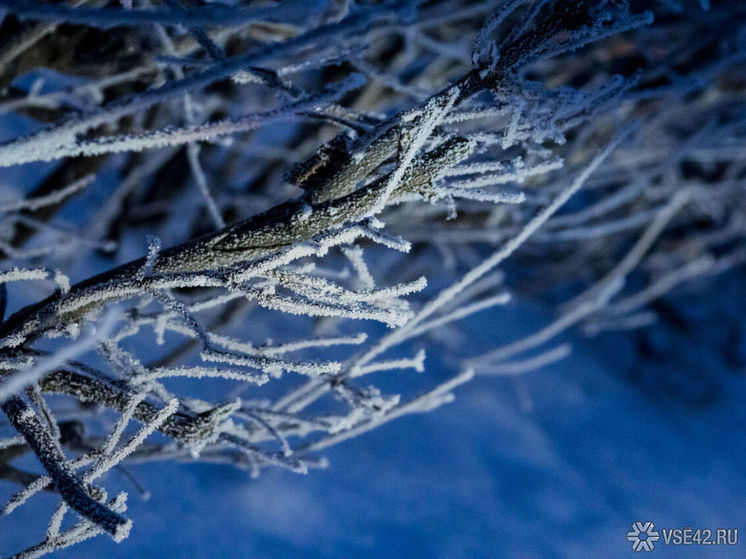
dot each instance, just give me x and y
(70, 488)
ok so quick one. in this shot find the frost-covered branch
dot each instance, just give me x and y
(284, 205)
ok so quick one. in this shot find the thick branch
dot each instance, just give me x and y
(68, 485)
(179, 426)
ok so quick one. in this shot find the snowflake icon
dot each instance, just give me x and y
(643, 536)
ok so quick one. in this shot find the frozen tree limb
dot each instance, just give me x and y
(322, 196)
(69, 486)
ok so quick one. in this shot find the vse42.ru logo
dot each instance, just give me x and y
(643, 536)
